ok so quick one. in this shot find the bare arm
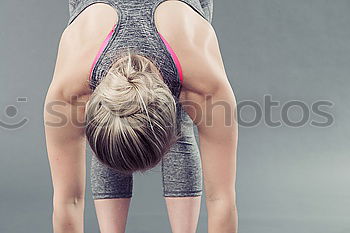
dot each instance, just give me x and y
(65, 138)
(66, 152)
(65, 104)
(210, 101)
(218, 144)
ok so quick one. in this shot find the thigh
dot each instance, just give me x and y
(107, 183)
(181, 166)
(181, 171)
(182, 179)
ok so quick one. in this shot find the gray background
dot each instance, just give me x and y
(289, 179)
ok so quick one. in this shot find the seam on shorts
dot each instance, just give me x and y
(182, 194)
(111, 196)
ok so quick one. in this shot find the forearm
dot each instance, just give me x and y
(218, 145)
(222, 216)
(68, 218)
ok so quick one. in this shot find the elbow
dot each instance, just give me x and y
(75, 200)
(222, 213)
(64, 204)
(72, 201)
(222, 199)
(226, 196)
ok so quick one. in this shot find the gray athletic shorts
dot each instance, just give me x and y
(181, 170)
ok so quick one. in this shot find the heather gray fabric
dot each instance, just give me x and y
(136, 31)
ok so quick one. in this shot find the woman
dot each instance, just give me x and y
(131, 78)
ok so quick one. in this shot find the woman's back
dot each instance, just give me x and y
(177, 23)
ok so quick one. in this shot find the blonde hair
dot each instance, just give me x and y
(131, 116)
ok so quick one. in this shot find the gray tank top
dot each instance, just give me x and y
(136, 31)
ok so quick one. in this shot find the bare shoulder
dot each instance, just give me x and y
(195, 42)
(71, 70)
(78, 46)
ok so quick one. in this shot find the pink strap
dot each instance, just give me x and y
(176, 60)
(103, 46)
(106, 40)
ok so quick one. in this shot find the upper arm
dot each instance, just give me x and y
(64, 112)
(205, 78)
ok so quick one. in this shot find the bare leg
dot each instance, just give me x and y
(112, 214)
(183, 213)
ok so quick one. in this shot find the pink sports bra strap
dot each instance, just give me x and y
(171, 51)
(175, 58)
(103, 46)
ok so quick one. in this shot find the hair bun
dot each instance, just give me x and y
(131, 120)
